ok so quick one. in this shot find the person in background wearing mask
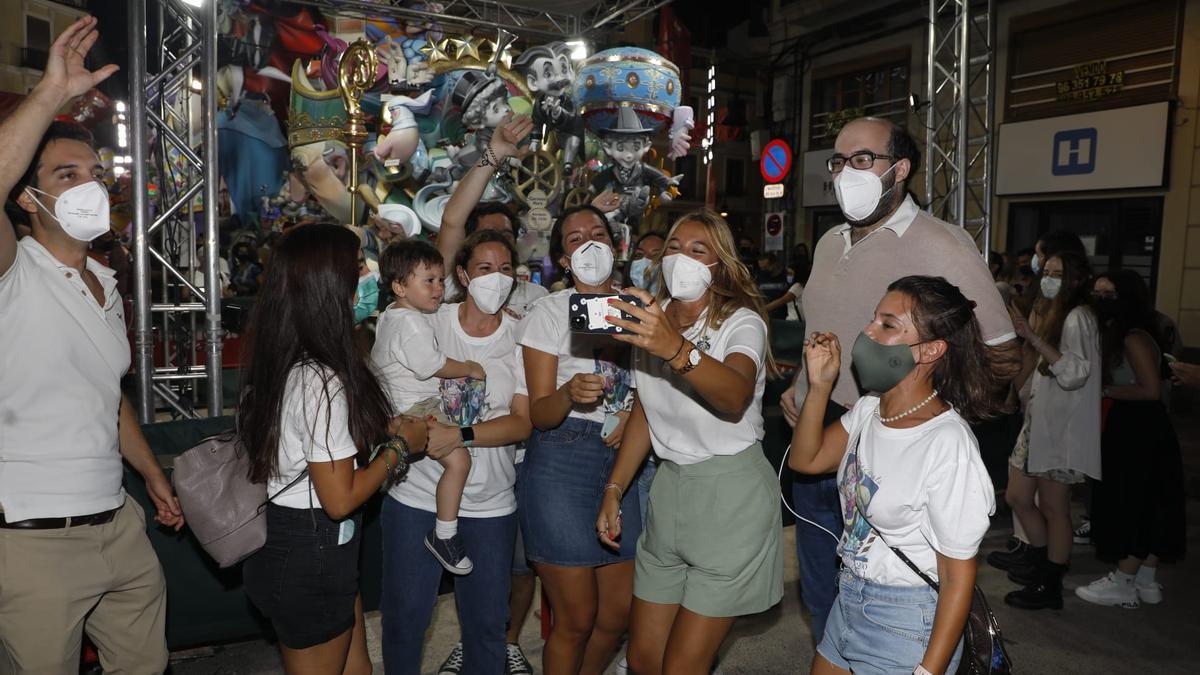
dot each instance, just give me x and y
(579, 399)
(643, 266)
(1138, 510)
(76, 557)
(1059, 444)
(886, 237)
(711, 549)
(366, 298)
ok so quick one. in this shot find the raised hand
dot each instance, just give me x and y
(65, 72)
(508, 136)
(822, 359)
(652, 331)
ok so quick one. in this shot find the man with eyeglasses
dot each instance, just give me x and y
(885, 237)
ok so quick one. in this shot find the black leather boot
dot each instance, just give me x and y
(1046, 593)
(1028, 571)
(1017, 554)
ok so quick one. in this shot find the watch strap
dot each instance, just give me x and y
(688, 365)
(468, 436)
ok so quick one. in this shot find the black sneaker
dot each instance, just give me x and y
(450, 553)
(1018, 553)
(1083, 533)
(515, 662)
(453, 665)
(1045, 594)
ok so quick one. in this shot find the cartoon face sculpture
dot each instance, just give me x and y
(626, 151)
(550, 74)
(547, 69)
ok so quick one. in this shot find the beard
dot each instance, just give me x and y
(887, 202)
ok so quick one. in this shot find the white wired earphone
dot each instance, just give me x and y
(787, 506)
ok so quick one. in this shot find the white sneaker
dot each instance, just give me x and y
(1109, 590)
(622, 667)
(1149, 593)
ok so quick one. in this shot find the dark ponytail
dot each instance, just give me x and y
(963, 377)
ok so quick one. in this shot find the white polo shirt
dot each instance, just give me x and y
(62, 356)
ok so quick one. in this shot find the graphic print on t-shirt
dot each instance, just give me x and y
(858, 487)
(464, 399)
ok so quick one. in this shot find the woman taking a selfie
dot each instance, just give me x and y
(312, 411)
(911, 480)
(710, 550)
(579, 395)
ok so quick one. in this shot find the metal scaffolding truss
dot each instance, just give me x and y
(528, 20)
(174, 148)
(960, 91)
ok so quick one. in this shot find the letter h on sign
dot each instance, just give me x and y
(1074, 152)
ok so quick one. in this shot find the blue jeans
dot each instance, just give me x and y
(410, 588)
(644, 479)
(816, 498)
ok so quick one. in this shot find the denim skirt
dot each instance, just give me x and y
(879, 629)
(302, 579)
(559, 496)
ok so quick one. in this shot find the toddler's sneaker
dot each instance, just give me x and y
(1109, 590)
(450, 553)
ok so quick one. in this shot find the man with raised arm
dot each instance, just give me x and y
(74, 555)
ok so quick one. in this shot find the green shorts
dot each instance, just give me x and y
(711, 542)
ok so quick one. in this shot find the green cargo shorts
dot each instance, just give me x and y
(711, 542)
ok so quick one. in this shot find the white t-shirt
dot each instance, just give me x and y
(925, 489)
(683, 427)
(62, 355)
(315, 427)
(406, 357)
(545, 329)
(793, 306)
(489, 489)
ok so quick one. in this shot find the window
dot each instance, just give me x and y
(881, 90)
(37, 43)
(735, 178)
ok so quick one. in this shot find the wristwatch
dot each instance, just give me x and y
(468, 436)
(693, 360)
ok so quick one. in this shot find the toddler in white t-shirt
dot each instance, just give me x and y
(414, 373)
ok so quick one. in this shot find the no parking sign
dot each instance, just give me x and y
(776, 161)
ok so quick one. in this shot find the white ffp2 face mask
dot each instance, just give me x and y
(687, 278)
(490, 291)
(592, 263)
(859, 191)
(81, 211)
(1050, 287)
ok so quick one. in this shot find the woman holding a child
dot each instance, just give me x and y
(472, 328)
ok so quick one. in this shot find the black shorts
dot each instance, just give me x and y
(302, 579)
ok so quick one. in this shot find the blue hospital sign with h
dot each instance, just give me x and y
(1074, 152)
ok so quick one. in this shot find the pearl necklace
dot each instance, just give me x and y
(908, 412)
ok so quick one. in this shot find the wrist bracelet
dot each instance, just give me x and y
(614, 486)
(920, 670)
(682, 342)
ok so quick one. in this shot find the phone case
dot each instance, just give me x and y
(588, 311)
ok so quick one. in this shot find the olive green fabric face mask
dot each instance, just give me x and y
(880, 367)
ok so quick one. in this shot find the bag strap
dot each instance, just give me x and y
(289, 486)
(899, 554)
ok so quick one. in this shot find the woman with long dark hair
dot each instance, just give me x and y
(710, 551)
(310, 414)
(488, 423)
(910, 477)
(1059, 443)
(579, 396)
(1138, 509)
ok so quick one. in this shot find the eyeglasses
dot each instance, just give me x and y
(863, 159)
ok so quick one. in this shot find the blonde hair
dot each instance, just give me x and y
(732, 287)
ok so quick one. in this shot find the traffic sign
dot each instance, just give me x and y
(772, 190)
(776, 161)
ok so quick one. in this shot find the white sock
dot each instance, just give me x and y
(444, 529)
(1145, 575)
(1124, 578)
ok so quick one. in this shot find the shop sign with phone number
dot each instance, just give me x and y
(1091, 81)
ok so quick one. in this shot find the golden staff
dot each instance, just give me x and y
(356, 74)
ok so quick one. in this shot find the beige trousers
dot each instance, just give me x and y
(103, 579)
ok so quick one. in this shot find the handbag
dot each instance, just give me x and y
(983, 645)
(223, 509)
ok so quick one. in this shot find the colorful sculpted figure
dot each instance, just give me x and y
(483, 100)
(550, 74)
(636, 182)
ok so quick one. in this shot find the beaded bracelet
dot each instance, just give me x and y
(399, 447)
(614, 486)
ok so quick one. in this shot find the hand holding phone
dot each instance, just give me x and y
(588, 312)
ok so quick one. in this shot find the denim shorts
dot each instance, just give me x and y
(877, 629)
(565, 470)
(302, 580)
